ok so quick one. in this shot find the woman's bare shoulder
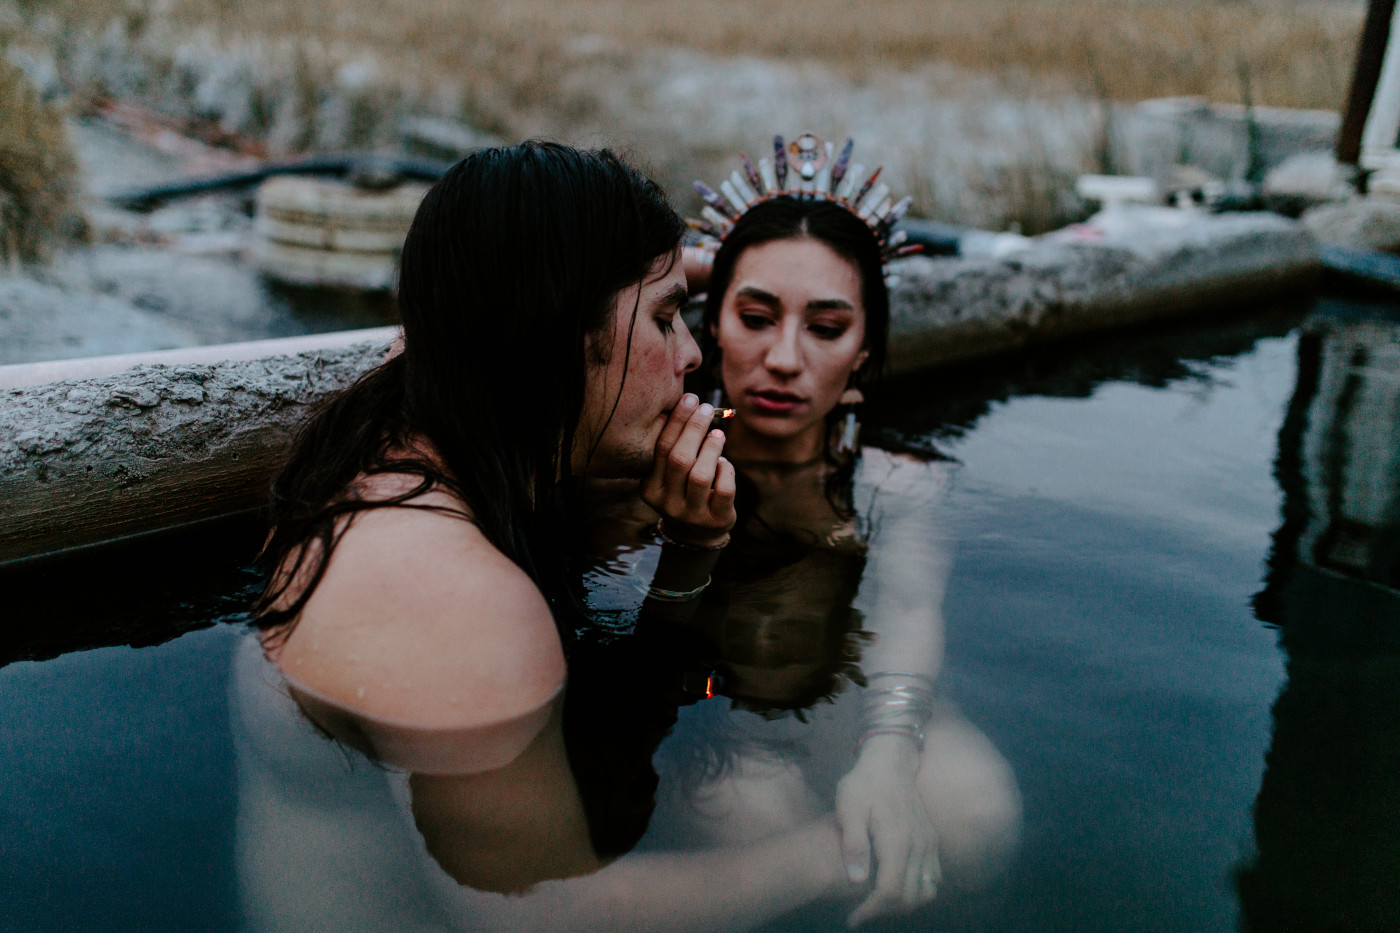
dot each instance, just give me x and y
(419, 620)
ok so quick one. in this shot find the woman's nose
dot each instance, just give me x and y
(784, 356)
(688, 358)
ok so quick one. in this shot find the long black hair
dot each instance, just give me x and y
(508, 278)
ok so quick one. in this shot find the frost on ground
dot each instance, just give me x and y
(986, 150)
(977, 150)
(992, 151)
(40, 321)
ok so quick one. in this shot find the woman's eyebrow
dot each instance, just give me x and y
(830, 304)
(757, 294)
(676, 296)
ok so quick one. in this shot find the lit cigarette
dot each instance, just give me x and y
(720, 415)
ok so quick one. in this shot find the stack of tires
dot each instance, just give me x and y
(321, 233)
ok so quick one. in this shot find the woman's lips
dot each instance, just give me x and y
(776, 403)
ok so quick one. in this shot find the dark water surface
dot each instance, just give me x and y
(1173, 609)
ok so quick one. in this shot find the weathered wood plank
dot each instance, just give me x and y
(94, 460)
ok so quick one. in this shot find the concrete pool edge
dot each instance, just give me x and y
(132, 444)
(1124, 267)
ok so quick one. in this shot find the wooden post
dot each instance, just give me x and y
(1370, 55)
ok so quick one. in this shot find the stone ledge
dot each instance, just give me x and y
(92, 460)
(1132, 265)
(156, 446)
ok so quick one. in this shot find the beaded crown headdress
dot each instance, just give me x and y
(807, 168)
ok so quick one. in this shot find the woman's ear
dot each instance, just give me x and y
(861, 357)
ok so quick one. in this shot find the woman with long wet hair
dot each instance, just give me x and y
(795, 331)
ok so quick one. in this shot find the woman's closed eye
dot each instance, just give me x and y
(667, 325)
(755, 320)
(827, 330)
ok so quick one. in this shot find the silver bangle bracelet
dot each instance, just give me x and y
(675, 596)
(915, 735)
(899, 708)
(909, 675)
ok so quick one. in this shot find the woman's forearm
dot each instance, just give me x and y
(733, 888)
(907, 618)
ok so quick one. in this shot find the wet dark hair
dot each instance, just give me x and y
(508, 279)
(794, 219)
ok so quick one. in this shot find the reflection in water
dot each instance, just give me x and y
(147, 591)
(1133, 792)
(705, 753)
(775, 635)
(764, 688)
(1327, 818)
(328, 839)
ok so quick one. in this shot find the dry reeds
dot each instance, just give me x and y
(1299, 51)
(986, 108)
(37, 171)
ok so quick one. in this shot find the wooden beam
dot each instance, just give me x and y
(1370, 55)
(89, 461)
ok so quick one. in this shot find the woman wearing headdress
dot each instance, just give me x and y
(795, 324)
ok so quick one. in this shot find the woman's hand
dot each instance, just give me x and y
(698, 263)
(690, 484)
(878, 808)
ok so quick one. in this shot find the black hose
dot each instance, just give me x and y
(153, 196)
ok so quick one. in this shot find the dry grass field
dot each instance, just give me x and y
(973, 102)
(1298, 52)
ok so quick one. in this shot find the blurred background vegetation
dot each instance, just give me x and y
(985, 110)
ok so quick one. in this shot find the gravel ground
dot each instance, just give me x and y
(176, 277)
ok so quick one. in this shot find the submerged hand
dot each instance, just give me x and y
(878, 808)
(690, 484)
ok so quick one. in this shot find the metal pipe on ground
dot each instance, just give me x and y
(388, 168)
(103, 453)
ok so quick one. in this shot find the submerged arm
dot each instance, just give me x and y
(733, 888)
(879, 809)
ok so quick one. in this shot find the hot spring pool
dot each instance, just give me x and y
(1173, 609)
